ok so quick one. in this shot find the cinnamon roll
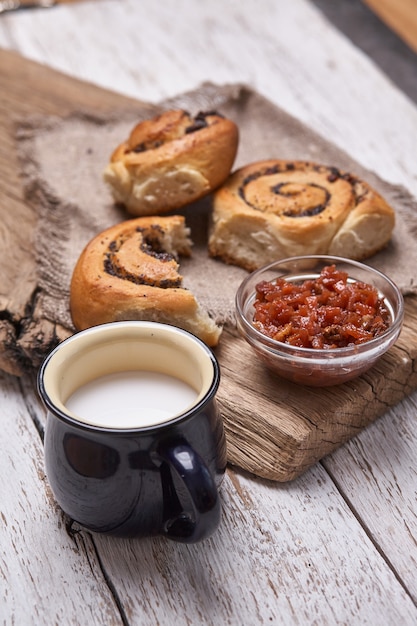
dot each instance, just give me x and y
(276, 209)
(172, 160)
(130, 272)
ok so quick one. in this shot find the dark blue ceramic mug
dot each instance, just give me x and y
(134, 442)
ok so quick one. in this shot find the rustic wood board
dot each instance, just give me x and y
(274, 429)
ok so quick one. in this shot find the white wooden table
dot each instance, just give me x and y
(339, 544)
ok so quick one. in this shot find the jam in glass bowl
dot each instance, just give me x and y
(319, 320)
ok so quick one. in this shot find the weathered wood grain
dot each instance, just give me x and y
(290, 550)
(384, 458)
(44, 571)
(280, 551)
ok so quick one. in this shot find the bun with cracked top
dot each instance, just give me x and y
(130, 272)
(172, 160)
(275, 209)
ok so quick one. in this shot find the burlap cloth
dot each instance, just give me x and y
(62, 163)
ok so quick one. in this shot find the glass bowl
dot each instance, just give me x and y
(312, 366)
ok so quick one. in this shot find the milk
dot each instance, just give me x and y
(131, 399)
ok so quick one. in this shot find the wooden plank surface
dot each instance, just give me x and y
(337, 545)
(39, 523)
(277, 558)
(274, 429)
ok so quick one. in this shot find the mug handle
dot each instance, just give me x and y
(198, 481)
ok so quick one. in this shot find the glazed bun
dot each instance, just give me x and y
(172, 160)
(130, 272)
(276, 209)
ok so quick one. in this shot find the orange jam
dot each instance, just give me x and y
(324, 312)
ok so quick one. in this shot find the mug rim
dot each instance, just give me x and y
(183, 416)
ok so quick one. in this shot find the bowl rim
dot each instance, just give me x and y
(280, 347)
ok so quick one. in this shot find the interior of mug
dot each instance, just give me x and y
(122, 347)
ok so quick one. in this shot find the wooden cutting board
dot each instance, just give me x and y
(274, 429)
